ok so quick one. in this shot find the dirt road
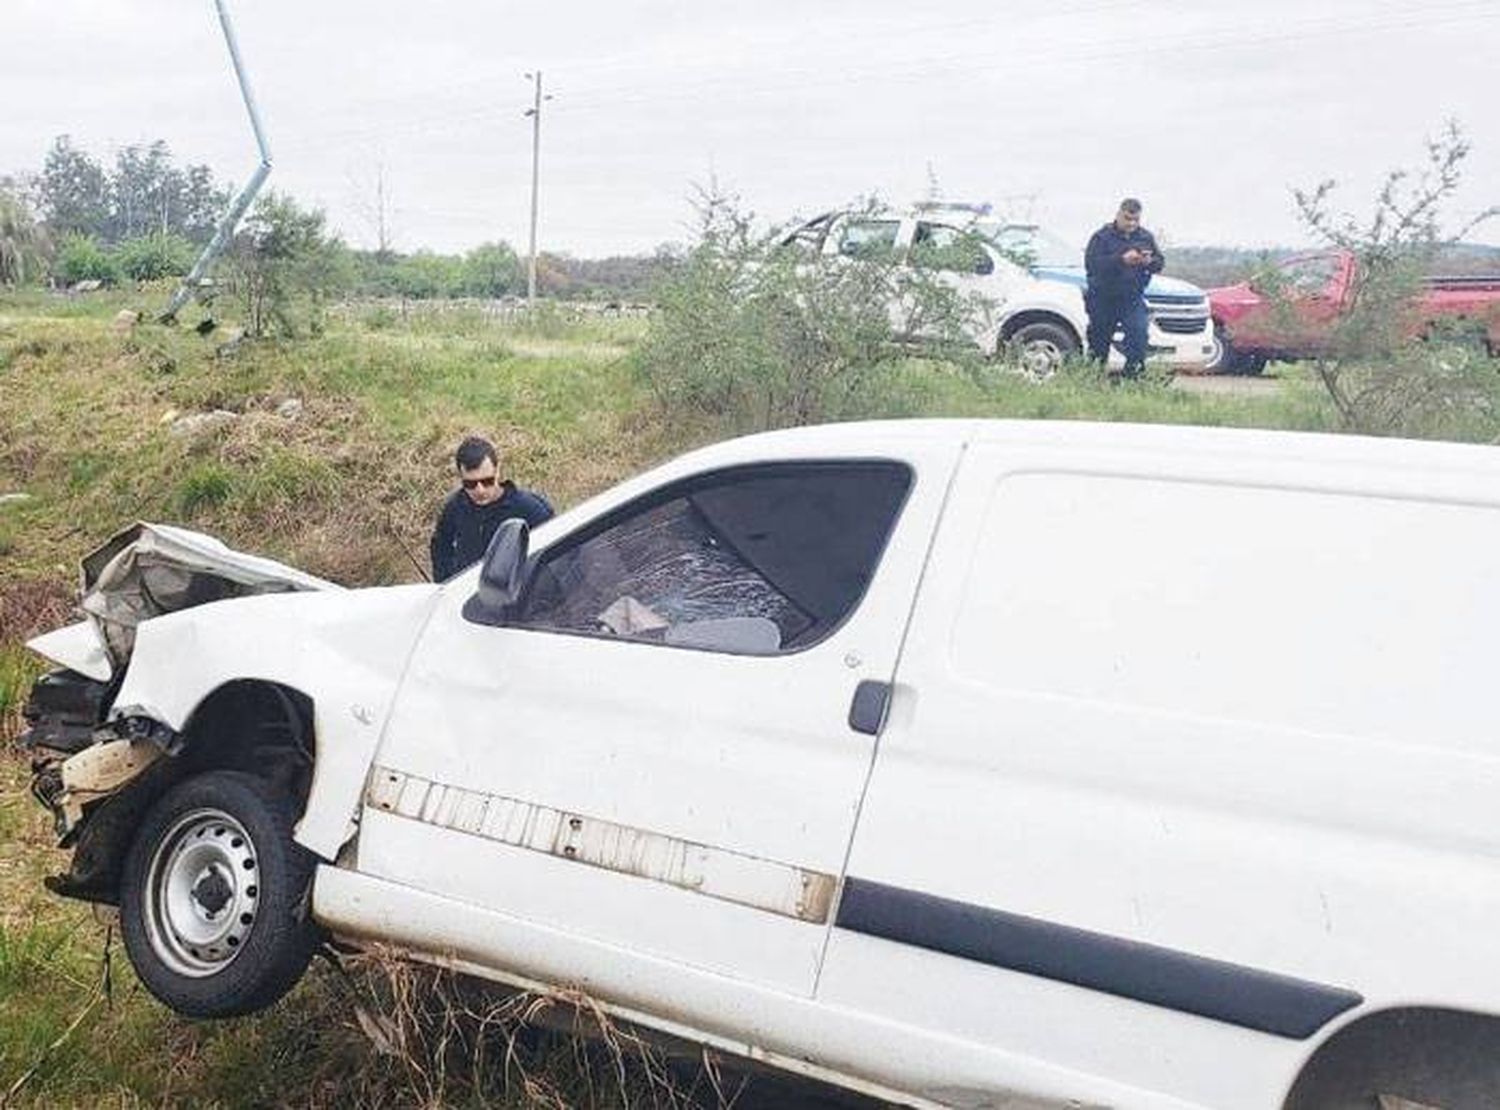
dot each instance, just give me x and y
(1227, 385)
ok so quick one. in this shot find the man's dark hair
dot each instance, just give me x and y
(473, 451)
(1131, 205)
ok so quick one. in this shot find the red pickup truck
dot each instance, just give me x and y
(1249, 329)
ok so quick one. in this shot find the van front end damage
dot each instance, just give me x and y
(195, 657)
(87, 777)
(95, 776)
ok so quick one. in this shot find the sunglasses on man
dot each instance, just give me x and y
(473, 483)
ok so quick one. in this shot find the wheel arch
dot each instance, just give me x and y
(243, 718)
(1018, 320)
(255, 725)
(1431, 1055)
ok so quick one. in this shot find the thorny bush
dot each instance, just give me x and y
(756, 331)
(1384, 370)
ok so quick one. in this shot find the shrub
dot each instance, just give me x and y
(758, 333)
(424, 275)
(153, 257)
(286, 266)
(1382, 374)
(491, 270)
(81, 258)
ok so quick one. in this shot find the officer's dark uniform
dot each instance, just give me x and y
(464, 529)
(1115, 296)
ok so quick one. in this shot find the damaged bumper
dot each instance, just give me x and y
(68, 778)
(86, 751)
(94, 779)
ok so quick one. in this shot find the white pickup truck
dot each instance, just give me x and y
(965, 763)
(1039, 313)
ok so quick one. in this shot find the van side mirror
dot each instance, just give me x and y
(502, 574)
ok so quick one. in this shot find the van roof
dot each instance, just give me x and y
(868, 437)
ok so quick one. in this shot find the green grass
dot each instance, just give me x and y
(86, 414)
(85, 418)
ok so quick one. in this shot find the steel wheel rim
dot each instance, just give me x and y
(1040, 358)
(202, 888)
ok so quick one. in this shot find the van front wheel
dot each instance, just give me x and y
(212, 898)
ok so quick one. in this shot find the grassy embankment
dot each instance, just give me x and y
(346, 489)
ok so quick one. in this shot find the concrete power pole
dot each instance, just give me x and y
(225, 229)
(535, 112)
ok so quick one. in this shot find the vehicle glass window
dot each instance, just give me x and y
(1309, 275)
(940, 247)
(869, 238)
(755, 561)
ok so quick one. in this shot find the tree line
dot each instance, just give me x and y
(145, 217)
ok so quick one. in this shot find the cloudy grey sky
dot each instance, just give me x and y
(1210, 110)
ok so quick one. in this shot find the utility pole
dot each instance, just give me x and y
(225, 229)
(535, 112)
(382, 233)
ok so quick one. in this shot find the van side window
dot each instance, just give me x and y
(757, 560)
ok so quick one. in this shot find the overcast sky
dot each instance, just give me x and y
(1209, 110)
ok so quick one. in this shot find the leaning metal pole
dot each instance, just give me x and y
(231, 219)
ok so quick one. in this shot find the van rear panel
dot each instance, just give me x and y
(1218, 729)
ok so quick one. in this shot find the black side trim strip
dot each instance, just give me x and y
(1214, 989)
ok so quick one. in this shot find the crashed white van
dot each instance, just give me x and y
(969, 764)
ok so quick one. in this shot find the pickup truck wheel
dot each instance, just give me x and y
(1042, 348)
(1226, 360)
(211, 897)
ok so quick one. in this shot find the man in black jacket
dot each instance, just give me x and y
(1120, 259)
(472, 513)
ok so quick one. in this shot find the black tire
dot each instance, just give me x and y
(1222, 360)
(1226, 360)
(1041, 348)
(213, 898)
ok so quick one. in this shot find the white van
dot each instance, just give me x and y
(965, 763)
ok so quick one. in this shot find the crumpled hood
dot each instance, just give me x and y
(147, 570)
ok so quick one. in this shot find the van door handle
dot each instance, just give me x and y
(868, 709)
